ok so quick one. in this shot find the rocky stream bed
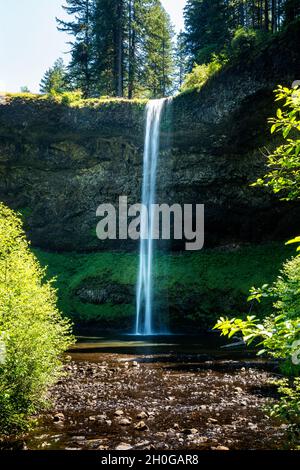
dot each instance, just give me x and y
(177, 401)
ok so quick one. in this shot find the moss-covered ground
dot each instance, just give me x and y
(199, 286)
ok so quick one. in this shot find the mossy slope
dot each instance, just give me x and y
(192, 289)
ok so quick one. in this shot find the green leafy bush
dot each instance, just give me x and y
(33, 334)
(283, 164)
(244, 39)
(279, 333)
(71, 97)
(288, 406)
(202, 73)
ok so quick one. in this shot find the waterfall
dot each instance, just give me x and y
(144, 311)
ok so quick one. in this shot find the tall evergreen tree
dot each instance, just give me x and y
(291, 10)
(55, 78)
(210, 24)
(82, 46)
(180, 60)
(207, 29)
(159, 63)
(120, 47)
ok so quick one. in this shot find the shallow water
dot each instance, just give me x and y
(211, 345)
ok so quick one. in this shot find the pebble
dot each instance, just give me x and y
(190, 431)
(125, 421)
(142, 415)
(212, 420)
(123, 446)
(58, 418)
(94, 443)
(141, 426)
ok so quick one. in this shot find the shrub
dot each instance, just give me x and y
(33, 335)
(283, 164)
(71, 97)
(288, 406)
(278, 334)
(202, 73)
(243, 41)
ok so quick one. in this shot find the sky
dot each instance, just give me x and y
(30, 42)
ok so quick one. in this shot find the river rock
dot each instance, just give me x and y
(125, 421)
(124, 446)
(212, 421)
(142, 415)
(190, 431)
(93, 443)
(141, 426)
(58, 418)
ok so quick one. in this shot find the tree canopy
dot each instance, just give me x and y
(119, 47)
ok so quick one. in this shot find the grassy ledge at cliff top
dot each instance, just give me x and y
(73, 100)
(199, 286)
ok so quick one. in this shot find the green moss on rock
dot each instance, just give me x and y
(199, 287)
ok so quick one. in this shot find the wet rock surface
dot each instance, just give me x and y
(163, 404)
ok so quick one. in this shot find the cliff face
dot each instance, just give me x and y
(58, 163)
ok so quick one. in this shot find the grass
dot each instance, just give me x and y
(74, 100)
(203, 284)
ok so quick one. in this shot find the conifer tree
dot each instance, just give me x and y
(82, 53)
(55, 78)
(120, 47)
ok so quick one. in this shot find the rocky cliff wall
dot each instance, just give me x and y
(58, 163)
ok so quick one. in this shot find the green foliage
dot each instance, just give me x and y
(207, 29)
(221, 278)
(158, 61)
(25, 97)
(71, 98)
(279, 332)
(74, 99)
(119, 47)
(80, 27)
(243, 41)
(24, 89)
(276, 335)
(55, 79)
(283, 176)
(33, 333)
(212, 24)
(202, 73)
(288, 406)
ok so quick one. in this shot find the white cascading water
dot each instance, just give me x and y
(144, 312)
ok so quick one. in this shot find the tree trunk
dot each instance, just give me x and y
(274, 20)
(132, 40)
(87, 85)
(119, 75)
(266, 15)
